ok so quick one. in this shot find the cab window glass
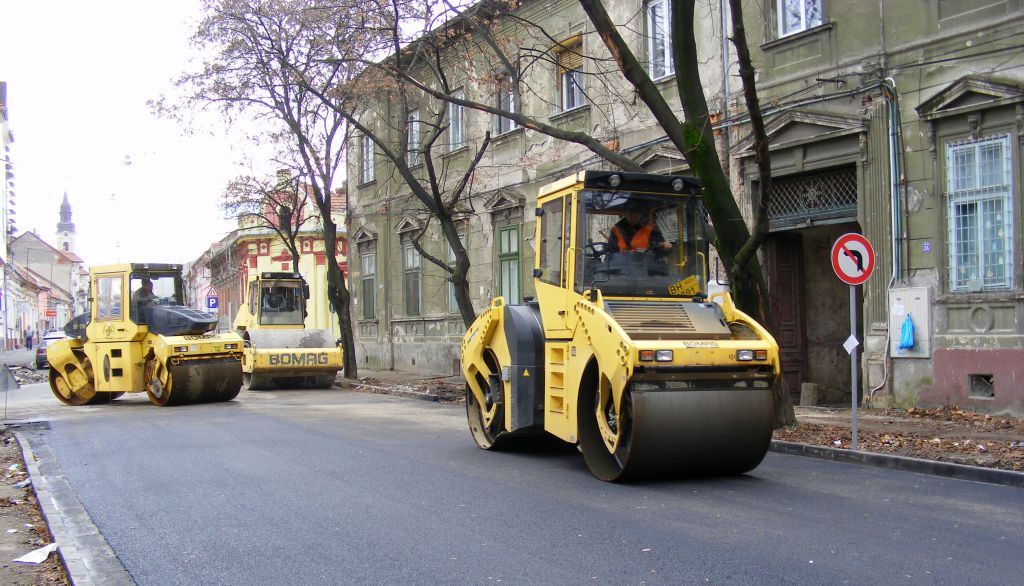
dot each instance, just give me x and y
(108, 297)
(254, 297)
(149, 290)
(282, 304)
(641, 245)
(551, 242)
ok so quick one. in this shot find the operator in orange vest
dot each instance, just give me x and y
(637, 232)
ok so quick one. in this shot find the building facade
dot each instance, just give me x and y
(904, 122)
(223, 270)
(404, 309)
(6, 203)
(900, 121)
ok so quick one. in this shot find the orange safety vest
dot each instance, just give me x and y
(641, 239)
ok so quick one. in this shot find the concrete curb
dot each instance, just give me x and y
(87, 557)
(932, 467)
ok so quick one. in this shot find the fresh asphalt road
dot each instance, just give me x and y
(339, 487)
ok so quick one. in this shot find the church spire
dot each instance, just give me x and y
(66, 228)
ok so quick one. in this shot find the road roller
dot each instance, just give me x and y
(140, 336)
(280, 351)
(623, 351)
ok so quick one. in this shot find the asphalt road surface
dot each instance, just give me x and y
(338, 487)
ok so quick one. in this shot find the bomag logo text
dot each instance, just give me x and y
(299, 359)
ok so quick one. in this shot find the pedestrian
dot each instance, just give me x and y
(28, 339)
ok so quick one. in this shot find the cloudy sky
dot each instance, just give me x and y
(79, 75)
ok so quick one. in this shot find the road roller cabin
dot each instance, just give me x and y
(139, 336)
(623, 352)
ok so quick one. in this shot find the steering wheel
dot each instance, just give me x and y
(597, 249)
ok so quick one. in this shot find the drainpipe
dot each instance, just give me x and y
(387, 285)
(896, 179)
(723, 10)
(897, 228)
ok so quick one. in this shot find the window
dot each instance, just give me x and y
(108, 297)
(508, 263)
(570, 74)
(658, 15)
(366, 158)
(368, 275)
(254, 297)
(282, 304)
(551, 242)
(456, 123)
(798, 15)
(412, 156)
(979, 177)
(506, 100)
(411, 279)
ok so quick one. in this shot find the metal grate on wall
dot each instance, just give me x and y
(813, 197)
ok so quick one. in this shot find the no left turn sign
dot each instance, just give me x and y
(853, 259)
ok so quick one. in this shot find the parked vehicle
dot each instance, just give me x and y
(48, 338)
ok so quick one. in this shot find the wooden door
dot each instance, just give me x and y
(786, 306)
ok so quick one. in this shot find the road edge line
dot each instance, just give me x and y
(903, 463)
(87, 557)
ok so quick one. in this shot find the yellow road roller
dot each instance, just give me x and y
(139, 336)
(623, 351)
(280, 351)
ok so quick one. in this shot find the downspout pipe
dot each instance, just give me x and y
(896, 227)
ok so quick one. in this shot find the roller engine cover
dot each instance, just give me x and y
(177, 320)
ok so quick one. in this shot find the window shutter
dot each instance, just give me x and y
(570, 54)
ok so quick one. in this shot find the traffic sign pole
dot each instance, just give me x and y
(853, 259)
(853, 367)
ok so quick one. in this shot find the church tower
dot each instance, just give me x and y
(65, 228)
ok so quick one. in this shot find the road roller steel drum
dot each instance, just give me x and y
(623, 351)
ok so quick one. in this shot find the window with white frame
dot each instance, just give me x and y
(658, 14)
(368, 275)
(979, 187)
(411, 279)
(508, 263)
(506, 100)
(412, 155)
(456, 123)
(366, 158)
(570, 74)
(798, 15)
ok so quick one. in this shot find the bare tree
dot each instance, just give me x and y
(381, 109)
(693, 136)
(490, 28)
(263, 58)
(486, 33)
(281, 205)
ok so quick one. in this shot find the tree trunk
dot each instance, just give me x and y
(339, 296)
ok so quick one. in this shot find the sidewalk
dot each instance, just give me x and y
(947, 441)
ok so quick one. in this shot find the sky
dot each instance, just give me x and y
(78, 77)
